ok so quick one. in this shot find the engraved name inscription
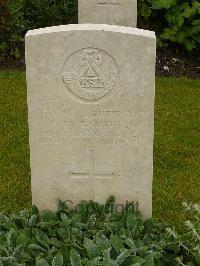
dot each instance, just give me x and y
(109, 126)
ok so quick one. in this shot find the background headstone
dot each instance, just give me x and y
(91, 114)
(114, 12)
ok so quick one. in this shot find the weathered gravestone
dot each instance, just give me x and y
(114, 12)
(91, 114)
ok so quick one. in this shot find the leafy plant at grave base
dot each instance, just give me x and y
(96, 235)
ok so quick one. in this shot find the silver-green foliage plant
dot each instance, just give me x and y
(188, 242)
(95, 234)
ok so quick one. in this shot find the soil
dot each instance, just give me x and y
(176, 63)
(171, 62)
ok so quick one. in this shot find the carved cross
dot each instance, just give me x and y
(109, 4)
(91, 175)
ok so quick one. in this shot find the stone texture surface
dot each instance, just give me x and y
(114, 12)
(91, 114)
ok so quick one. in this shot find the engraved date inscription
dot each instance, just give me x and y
(92, 127)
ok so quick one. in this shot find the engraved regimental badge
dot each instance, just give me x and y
(90, 73)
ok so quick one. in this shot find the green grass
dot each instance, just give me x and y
(15, 191)
(176, 148)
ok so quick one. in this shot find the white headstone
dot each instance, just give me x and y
(91, 114)
(114, 12)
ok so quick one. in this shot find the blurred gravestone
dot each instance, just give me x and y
(114, 12)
